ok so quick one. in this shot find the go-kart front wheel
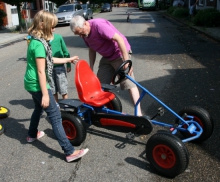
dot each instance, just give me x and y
(202, 117)
(4, 112)
(167, 154)
(74, 128)
(115, 104)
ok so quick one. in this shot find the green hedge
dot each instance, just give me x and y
(207, 18)
(171, 9)
(180, 12)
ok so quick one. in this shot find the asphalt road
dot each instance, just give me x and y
(175, 63)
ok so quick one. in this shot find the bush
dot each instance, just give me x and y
(171, 9)
(180, 12)
(207, 18)
(163, 5)
(2, 15)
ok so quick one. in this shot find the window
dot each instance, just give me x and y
(78, 7)
(34, 6)
(66, 8)
(14, 11)
(201, 2)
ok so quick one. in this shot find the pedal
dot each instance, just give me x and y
(160, 112)
(130, 136)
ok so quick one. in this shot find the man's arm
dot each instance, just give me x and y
(123, 49)
(92, 58)
(121, 45)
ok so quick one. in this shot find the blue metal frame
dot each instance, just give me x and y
(192, 126)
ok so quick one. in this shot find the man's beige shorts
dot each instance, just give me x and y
(107, 69)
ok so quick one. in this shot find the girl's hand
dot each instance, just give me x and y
(68, 70)
(74, 59)
(45, 101)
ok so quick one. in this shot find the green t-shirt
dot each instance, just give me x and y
(59, 49)
(31, 80)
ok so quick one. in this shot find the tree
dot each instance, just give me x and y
(2, 15)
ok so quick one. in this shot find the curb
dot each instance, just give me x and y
(206, 33)
(11, 38)
(5, 44)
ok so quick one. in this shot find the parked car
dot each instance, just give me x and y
(106, 7)
(66, 12)
(88, 13)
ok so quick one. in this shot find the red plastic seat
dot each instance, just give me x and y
(89, 87)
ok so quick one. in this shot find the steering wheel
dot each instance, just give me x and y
(121, 72)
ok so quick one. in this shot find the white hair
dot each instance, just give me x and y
(77, 21)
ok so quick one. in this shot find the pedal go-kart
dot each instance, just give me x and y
(4, 113)
(97, 106)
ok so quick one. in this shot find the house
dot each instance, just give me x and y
(204, 4)
(28, 10)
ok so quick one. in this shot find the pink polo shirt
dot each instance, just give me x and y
(100, 39)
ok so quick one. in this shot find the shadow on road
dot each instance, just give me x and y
(15, 129)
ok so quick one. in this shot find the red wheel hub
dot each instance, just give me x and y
(164, 156)
(69, 129)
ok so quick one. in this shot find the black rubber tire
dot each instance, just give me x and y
(167, 154)
(74, 128)
(115, 104)
(203, 118)
(1, 129)
(4, 112)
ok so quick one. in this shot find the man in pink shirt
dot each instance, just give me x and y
(102, 37)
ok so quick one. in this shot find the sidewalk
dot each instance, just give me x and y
(7, 37)
(211, 32)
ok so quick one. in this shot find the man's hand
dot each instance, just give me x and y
(131, 70)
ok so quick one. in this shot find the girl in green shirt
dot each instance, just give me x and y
(39, 69)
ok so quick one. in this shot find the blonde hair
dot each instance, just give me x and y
(42, 24)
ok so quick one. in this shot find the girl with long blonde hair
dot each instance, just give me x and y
(39, 69)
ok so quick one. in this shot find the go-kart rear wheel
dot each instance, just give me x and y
(167, 154)
(202, 117)
(74, 128)
(1, 129)
(4, 112)
(115, 104)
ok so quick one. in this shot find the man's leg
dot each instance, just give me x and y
(134, 93)
(106, 71)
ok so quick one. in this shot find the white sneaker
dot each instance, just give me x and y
(40, 134)
(81, 153)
